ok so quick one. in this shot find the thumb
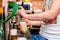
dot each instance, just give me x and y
(27, 20)
(20, 7)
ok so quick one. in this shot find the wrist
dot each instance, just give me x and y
(25, 15)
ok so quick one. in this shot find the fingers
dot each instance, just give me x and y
(23, 19)
(20, 7)
(26, 20)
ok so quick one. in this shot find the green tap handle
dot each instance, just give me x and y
(14, 7)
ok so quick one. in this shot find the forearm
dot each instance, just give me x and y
(35, 23)
(41, 16)
(49, 15)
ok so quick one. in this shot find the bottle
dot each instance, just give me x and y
(13, 30)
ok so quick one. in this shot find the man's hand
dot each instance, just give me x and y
(34, 23)
(22, 12)
(28, 22)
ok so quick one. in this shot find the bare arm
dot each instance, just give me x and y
(48, 15)
(34, 23)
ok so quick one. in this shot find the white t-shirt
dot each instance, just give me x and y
(51, 31)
